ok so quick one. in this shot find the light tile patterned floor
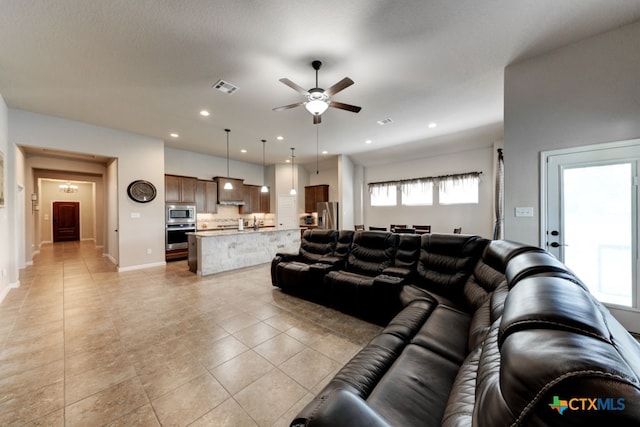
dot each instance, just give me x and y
(82, 344)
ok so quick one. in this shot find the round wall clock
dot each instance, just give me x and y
(141, 191)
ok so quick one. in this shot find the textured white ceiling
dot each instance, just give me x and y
(147, 66)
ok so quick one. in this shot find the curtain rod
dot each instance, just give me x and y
(427, 178)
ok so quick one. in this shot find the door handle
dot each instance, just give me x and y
(555, 244)
(555, 233)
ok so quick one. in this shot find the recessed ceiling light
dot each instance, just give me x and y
(243, 151)
(279, 138)
(205, 113)
(325, 152)
(174, 135)
(368, 141)
(288, 161)
(385, 121)
(432, 125)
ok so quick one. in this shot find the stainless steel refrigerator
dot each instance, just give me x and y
(328, 215)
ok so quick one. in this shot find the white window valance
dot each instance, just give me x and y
(406, 184)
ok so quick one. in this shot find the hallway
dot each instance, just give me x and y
(82, 344)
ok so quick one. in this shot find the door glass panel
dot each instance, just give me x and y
(596, 217)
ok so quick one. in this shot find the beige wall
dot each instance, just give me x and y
(581, 94)
(50, 192)
(140, 238)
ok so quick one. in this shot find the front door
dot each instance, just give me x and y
(592, 223)
(66, 221)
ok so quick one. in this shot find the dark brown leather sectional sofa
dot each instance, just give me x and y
(478, 332)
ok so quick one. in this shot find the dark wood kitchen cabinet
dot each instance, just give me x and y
(265, 202)
(179, 189)
(206, 196)
(253, 200)
(233, 196)
(314, 194)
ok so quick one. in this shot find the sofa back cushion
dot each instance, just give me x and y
(408, 251)
(555, 355)
(317, 243)
(446, 261)
(343, 246)
(371, 252)
(489, 271)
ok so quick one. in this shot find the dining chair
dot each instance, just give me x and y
(377, 228)
(422, 229)
(394, 226)
(359, 227)
(457, 230)
(405, 230)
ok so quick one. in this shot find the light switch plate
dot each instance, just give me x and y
(135, 214)
(524, 211)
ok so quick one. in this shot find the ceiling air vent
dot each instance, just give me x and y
(385, 121)
(225, 87)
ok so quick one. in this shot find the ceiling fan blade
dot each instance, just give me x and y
(343, 106)
(295, 87)
(287, 107)
(342, 84)
(317, 119)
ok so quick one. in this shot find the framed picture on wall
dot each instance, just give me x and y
(1, 179)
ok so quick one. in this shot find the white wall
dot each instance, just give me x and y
(202, 166)
(8, 256)
(581, 94)
(141, 239)
(473, 218)
(346, 177)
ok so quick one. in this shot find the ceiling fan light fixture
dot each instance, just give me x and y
(316, 107)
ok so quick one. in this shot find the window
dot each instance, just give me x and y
(383, 195)
(417, 193)
(459, 189)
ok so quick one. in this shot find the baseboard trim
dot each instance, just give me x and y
(5, 291)
(142, 266)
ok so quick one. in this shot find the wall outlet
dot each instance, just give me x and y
(149, 251)
(135, 214)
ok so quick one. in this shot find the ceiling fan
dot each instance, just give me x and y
(318, 99)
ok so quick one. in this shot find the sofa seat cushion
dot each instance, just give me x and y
(415, 390)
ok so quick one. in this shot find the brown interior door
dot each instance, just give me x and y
(66, 221)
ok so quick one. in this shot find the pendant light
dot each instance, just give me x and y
(293, 188)
(264, 188)
(228, 185)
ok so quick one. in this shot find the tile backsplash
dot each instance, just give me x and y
(227, 217)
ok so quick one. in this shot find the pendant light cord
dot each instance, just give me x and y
(227, 131)
(317, 151)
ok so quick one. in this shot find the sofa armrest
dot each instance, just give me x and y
(397, 272)
(388, 282)
(321, 268)
(287, 257)
(336, 409)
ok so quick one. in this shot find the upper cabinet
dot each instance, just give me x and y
(235, 196)
(206, 196)
(254, 200)
(314, 194)
(179, 189)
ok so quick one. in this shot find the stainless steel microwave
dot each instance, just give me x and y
(181, 214)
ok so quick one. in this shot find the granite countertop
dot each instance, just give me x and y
(224, 232)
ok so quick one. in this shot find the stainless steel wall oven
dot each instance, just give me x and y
(176, 235)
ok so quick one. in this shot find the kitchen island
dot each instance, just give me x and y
(215, 251)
